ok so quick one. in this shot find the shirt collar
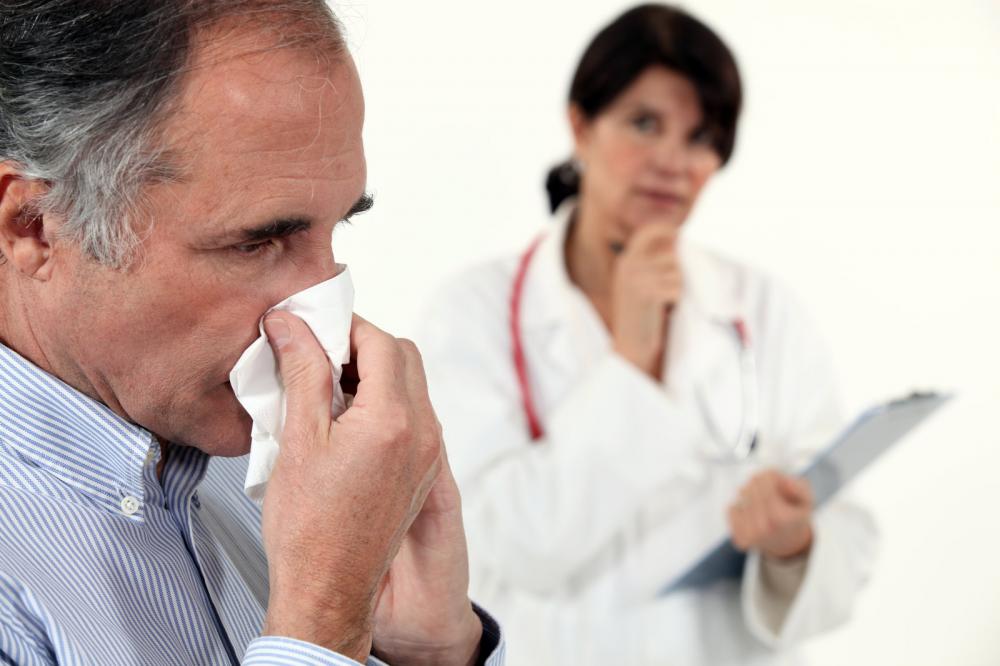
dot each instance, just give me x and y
(73, 437)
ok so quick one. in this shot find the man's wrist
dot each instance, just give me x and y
(461, 650)
(344, 631)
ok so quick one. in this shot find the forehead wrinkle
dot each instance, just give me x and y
(267, 126)
(327, 82)
(232, 211)
(243, 91)
(284, 139)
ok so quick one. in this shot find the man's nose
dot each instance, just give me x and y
(309, 271)
(325, 267)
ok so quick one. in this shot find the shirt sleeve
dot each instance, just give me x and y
(281, 651)
(491, 646)
(22, 639)
(15, 650)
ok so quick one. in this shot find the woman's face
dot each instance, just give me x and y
(645, 157)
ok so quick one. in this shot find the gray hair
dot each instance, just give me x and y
(85, 86)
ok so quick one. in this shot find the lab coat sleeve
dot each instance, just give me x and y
(538, 513)
(836, 569)
(785, 603)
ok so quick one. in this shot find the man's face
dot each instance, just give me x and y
(270, 145)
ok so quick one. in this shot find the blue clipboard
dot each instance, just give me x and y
(871, 435)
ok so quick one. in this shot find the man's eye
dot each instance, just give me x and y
(251, 249)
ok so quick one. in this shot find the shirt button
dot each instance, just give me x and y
(195, 502)
(130, 505)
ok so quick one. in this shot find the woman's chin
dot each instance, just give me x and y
(658, 217)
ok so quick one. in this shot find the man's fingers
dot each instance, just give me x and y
(413, 365)
(426, 425)
(304, 367)
(362, 331)
(377, 362)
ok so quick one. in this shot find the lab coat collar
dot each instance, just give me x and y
(548, 291)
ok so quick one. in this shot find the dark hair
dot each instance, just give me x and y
(642, 37)
(85, 85)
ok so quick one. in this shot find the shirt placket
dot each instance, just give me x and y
(181, 482)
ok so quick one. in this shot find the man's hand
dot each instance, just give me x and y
(647, 283)
(342, 500)
(423, 614)
(773, 514)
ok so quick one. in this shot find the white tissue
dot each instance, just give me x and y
(326, 308)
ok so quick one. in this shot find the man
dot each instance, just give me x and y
(169, 170)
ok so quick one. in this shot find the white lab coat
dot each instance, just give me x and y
(573, 537)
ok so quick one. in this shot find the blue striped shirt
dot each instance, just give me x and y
(102, 562)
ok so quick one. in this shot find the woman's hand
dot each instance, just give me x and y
(646, 284)
(773, 514)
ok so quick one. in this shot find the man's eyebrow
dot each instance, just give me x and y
(275, 229)
(287, 226)
(362, 205)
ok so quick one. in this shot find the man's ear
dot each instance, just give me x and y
(23, 241)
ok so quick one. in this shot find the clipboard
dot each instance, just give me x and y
(873, 433)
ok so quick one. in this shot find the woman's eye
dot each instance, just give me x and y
(645, 124)
(702, 137)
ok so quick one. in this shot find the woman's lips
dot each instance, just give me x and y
(662, 198)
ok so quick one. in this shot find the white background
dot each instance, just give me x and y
(867, 175)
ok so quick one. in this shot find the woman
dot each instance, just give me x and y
(615, 399)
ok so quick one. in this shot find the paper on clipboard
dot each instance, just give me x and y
(871, 434)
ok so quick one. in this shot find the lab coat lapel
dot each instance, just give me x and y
(558, 321)
(566, 334)
(703, 357)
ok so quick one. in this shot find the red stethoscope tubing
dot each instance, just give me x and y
(520, 363)
(517, 341)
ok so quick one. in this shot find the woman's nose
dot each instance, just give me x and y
(670, 157)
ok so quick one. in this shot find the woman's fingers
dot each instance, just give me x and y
(772, 513)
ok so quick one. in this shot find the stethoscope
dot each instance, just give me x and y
(737, 450)
(729, 450)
